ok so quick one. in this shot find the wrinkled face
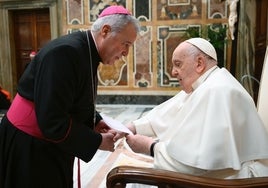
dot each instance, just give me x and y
(185, 67)
(115, 45)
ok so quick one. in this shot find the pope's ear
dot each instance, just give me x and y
(201, 64)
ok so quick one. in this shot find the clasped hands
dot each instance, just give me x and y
(138, 143)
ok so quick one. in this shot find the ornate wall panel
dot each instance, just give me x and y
(168, 39)
(143, 10)
(164, 24)
(143, 73)
(178, 9)
(75, 17)
(113, 75)
(217, 9)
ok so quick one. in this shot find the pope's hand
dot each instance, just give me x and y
(139, 143)
(119, 134)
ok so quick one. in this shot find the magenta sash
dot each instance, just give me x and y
(22, 115)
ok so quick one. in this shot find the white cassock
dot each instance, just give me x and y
(213, 131)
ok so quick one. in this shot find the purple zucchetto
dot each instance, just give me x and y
(114, 10)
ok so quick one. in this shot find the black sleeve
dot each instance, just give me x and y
(55, 94)
(98, 118)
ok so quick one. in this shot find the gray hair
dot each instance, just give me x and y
(116, 21)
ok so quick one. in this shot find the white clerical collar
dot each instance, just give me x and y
(203, 77)
(94, 41)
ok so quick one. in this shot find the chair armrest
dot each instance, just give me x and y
(120, 176)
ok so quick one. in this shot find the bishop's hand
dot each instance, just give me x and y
(107, 142)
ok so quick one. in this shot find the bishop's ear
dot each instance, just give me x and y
(106, 29)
